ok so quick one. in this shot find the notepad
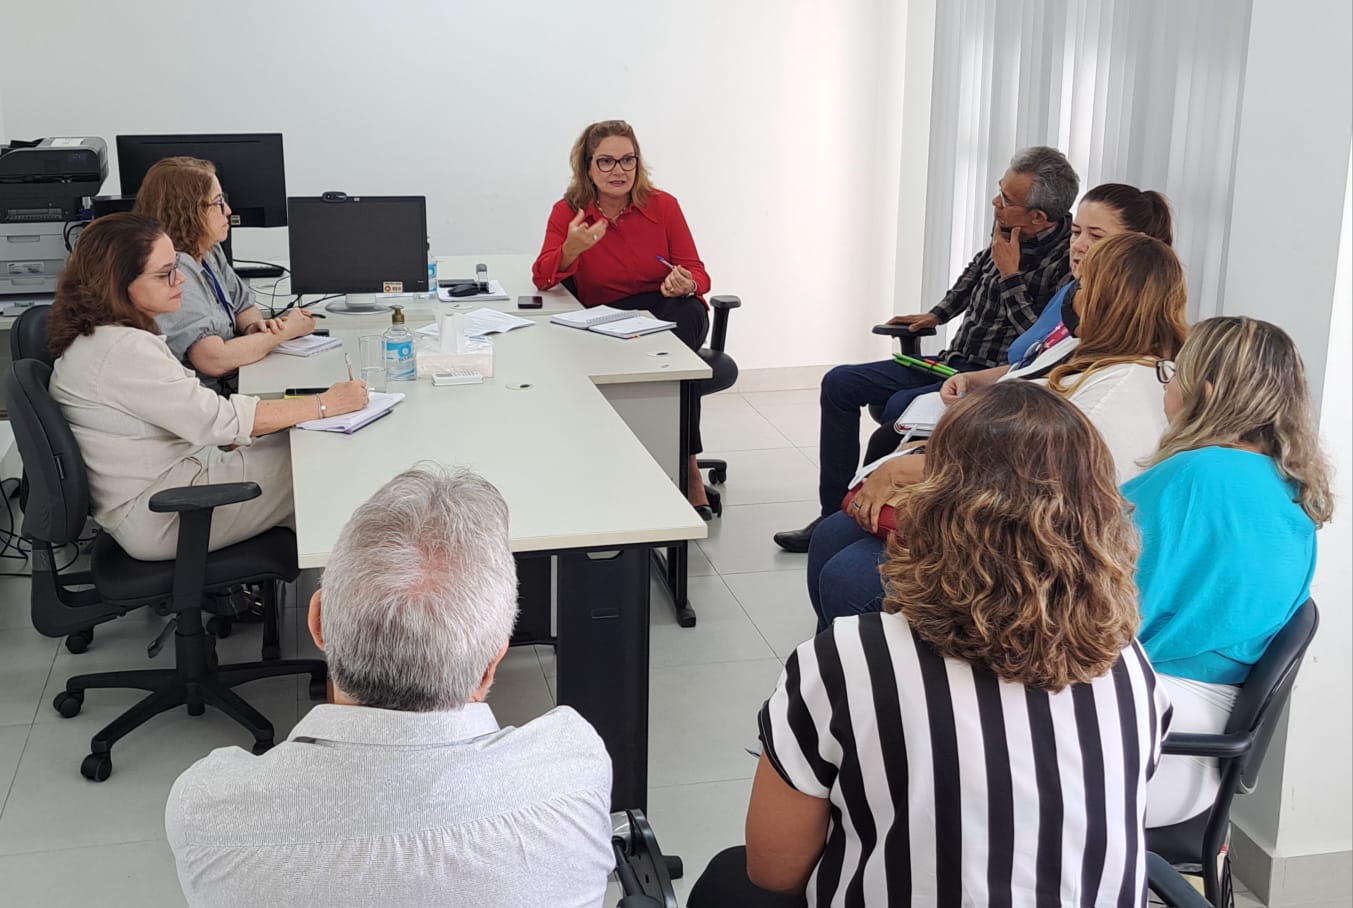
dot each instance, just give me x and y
(308, 345)
(380, 404)
(921, 415)
(482, 322)
(613, 322)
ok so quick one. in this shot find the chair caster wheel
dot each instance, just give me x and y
(675, 869)
(219, 627)
(718, 477)
(97, 767)
(262, 747)
(319, 689)
(79, 641)
(271, 651)
(68, 703)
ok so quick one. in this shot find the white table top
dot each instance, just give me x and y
(572, 472)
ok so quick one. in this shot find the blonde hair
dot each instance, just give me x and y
(1133, 299)
(1242, 381)
(1016, 551)
(581, 192)
(175, 192)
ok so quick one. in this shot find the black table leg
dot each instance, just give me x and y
(603, 659)
(533, 600)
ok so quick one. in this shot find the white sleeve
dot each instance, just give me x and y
(1127, 405)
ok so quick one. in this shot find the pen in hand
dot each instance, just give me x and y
(348, 359)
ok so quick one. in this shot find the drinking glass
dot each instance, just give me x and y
(371, 350)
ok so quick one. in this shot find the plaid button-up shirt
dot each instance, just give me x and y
(1000, 309)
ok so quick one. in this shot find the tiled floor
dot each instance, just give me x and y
(65, 841)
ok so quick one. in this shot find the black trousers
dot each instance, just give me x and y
(724, 884)
(692, 326)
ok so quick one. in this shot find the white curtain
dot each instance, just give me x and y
(1145, 92)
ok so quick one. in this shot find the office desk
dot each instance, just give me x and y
(580, 432)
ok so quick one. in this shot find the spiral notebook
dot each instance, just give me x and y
(379, 404)
(613, 322)
(308, 345)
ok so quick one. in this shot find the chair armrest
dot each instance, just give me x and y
(203, 498)
(721, 305)
(902, 331)
(1167, 883)
(1199, 745)
(725, 301)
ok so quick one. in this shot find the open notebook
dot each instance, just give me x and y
(921, 416)
(614, 322)
(379, 404)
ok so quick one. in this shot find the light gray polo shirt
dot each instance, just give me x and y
(368, 807)
(204, 311)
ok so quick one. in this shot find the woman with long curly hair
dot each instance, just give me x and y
(218, 328)
(987, 738)
(1228, 513)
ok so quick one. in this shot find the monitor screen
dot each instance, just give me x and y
(249, 167)
(361, 244)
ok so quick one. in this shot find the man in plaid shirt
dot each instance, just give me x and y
(1003, 291)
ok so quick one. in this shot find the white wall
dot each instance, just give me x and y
(762, 117)
(1290, 212)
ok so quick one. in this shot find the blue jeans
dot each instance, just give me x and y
(845, 389)
(843, 570)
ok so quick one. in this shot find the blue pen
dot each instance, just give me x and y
(667, 263)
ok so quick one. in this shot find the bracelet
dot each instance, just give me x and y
(323, 411)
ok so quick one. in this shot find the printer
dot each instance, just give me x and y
(43, 188)
(49, 179)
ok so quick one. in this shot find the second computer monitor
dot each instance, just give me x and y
(358, 244)
(249, 166)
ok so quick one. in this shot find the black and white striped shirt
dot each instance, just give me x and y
(949, 786)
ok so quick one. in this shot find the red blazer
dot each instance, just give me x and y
(625, 262)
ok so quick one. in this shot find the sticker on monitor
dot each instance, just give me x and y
(392, 287)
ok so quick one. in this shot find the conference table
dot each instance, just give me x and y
(582, 434)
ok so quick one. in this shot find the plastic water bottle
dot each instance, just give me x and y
(432, 276)
(399, 364)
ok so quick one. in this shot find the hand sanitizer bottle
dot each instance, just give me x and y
(399, 364)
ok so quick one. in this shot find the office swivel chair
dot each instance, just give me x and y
(645, 874)
(884, 439)
(1195, 845)
(116, 583)
(725, 375)
(28, 335)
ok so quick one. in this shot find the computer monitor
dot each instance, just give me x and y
(358, 244)
(249, 166)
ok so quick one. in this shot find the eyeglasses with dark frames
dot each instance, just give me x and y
(221, 202)
(605, 163)
(1165, 371)
(172, 277)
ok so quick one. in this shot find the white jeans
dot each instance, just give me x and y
(1184, 786)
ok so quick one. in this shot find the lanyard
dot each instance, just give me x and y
(220, 291)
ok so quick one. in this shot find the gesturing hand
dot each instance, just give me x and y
(1005, 252)
(582, 237)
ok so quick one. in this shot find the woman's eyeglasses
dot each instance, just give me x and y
(172, 277)
(1165, 371)
(220, 203)
(606, 163)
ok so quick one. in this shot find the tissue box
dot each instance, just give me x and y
(478, 356)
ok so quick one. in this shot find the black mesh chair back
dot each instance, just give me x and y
(58, 503)
(28, 335)
(1196, 843)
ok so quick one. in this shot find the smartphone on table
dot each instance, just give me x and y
(530, 302)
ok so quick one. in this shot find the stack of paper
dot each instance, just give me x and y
(482, 322)
(308, 345)
(379, 404)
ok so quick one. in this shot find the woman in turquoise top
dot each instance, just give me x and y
(1228, 512)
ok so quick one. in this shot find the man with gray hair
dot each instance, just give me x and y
(404, 790)
(1003, 291)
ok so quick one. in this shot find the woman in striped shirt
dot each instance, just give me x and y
(986, 740)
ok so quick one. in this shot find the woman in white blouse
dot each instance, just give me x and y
(144, 422)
